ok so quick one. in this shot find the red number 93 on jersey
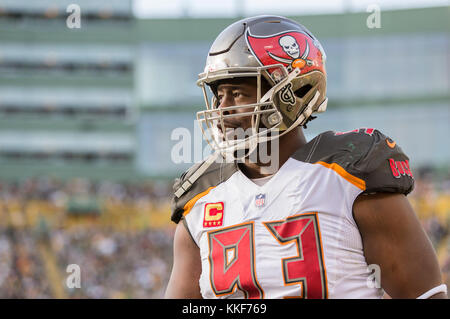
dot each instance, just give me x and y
(232, 257)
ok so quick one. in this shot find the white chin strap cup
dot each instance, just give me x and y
(322, 107)
(434, 291)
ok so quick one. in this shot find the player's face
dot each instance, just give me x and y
(236, 92)
(238, 122)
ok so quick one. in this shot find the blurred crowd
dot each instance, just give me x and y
(431, 201)
(111, 264)
(120, 235)
(57, 191)
(117, 264)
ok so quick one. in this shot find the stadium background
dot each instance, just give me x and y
(87, 115)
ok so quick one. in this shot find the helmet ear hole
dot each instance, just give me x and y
(301, 92)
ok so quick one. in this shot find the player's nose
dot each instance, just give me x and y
(225, 103)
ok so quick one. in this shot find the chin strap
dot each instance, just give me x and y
(190, 181)
(301, 119)
(274, 89)
(308, 111)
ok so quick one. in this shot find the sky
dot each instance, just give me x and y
(233, 8)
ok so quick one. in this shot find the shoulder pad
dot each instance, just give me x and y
(215, 174)
(364, 153)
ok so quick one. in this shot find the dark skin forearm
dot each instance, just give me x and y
(394, 239)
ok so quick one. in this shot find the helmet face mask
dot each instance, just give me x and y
(261, 113)
(274, 50)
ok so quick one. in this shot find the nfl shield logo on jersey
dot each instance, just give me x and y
(260, 200)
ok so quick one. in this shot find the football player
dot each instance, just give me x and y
(329, 220)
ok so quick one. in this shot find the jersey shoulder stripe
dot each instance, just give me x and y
(188, 206)
(365, 157)
(361, 184)
(216, 174)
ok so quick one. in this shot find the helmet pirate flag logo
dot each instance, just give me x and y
(292, 49)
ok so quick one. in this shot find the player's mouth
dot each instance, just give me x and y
(227, 124)
(233, 130)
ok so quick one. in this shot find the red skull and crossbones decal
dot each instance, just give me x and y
(293, 49)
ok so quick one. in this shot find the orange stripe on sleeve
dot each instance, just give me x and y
(187, 208)
(361, 184)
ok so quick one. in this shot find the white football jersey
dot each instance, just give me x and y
(293, 237)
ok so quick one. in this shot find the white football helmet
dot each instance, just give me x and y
(274, 49)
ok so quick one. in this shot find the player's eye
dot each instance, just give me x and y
(237, 94)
